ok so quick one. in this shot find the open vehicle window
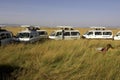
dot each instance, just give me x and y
(98, 33)
(42, 33)
(75, 33)
(107, 33)
(66, 33)
(23, 35)
(59, 33)
(8, 35)
(2, 36)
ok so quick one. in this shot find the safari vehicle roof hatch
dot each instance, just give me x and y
(65, 27)
(30, 27)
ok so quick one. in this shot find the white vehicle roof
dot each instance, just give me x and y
(26, 31)
(100, 30)
(26, 26)
(30, 27)
(67, 30)
(65, 27)
(98, 27)
(2, 26)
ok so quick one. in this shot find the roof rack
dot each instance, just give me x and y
(66, 27)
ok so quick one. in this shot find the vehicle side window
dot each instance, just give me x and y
(66, 33)
(107, 33)
(98, 33)
(75, 33)
(31, 36)
(42, 33)
(8, 35)
(3, 36)
(90, 33)
(59, 33)
(23, 35)
(52, 34)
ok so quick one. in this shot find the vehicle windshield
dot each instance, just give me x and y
(118, 34)
(23, 35)
(85, 33)
(52, 34)
(88, 33)
(42, 33)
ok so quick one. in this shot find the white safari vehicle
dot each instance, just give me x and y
(29, 35)
(6, 37)
(98, 33)
(66, 33)
(117, 36)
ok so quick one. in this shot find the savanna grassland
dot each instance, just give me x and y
(60, 60)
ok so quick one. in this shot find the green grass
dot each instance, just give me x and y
(62, 60)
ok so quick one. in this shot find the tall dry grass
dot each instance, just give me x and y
(62, 60)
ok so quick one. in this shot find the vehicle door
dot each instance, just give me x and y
(107, 35)
(6, 38)
(75, 35)
(59, 35)
(43, 34)
(3, 39)
(52, 35)
(35, 36)
(25, 36)
(67, 35)
(90, 35)
(98, 34)
(9, 37)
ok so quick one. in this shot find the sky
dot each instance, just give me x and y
(78, 13)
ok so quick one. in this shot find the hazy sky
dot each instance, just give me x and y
(77, 13)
